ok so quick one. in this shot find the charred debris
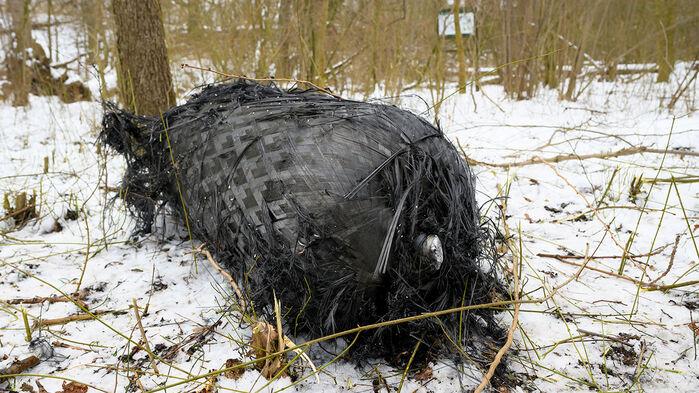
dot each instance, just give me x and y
(349, 212)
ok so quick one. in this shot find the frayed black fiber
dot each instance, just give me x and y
(325, 203)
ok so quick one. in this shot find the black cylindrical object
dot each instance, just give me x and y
(349, 212)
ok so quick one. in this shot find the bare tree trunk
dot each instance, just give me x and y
(49, 11)
(506, 70)
(262, 11)
(194, 19)
(550, 45)
(282, 65)
(665, 14)
(145, 82)
(550, 75)
(573, 76)
(458, 40)
(91, 13)
(474, 45)
(318, 33)
(18, 73)
(374, 43)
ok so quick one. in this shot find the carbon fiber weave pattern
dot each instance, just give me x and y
(319, 200)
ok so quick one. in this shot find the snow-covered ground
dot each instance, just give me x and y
(580, 329)
(586, 207)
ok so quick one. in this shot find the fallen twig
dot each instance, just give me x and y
(579, 157)
(241, 299)
(19, 366)
(70, 318)
(285, 342)
(681, 179)
(18, 212)
(59, 344)
(197, 337)
(672, 260)
(607, 272)
(510, 333)
(564, 256)
(646, 285)
(74, 297)
(146, 346)
(670, 286)
(608, 337)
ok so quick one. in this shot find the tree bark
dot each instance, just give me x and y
(194, 19)
(376, 29)
(283, 64)
(319, 12)
(262, 11)
(91, 14)
(665, 14)
(18, 73)
(145, 82)
(458, 40)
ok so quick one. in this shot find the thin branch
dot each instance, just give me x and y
(579, 157)
(146, 346)
(672, 260)
(510, 333)
(19, 366)
(238, 293)
(77, 297)
(608, 337)
(70, 318)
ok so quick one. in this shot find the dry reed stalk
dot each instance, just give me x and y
(71, 318)
(239, 294)
(284, 341)
(580, 157)
(510, 333)
(75, 297)
(146, 345)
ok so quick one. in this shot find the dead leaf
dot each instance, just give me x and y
(264, 342)
(73, 387)
(695, 327)
(424, 375)
(27, 388)
(210, 386)
(236, 372)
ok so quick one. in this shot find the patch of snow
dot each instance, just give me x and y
(554, 206)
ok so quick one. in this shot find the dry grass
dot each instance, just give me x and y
(394, 45)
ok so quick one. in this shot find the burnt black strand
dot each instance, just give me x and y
(296, 190)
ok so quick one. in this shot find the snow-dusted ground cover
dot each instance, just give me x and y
(601, 330)
(600, 327)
